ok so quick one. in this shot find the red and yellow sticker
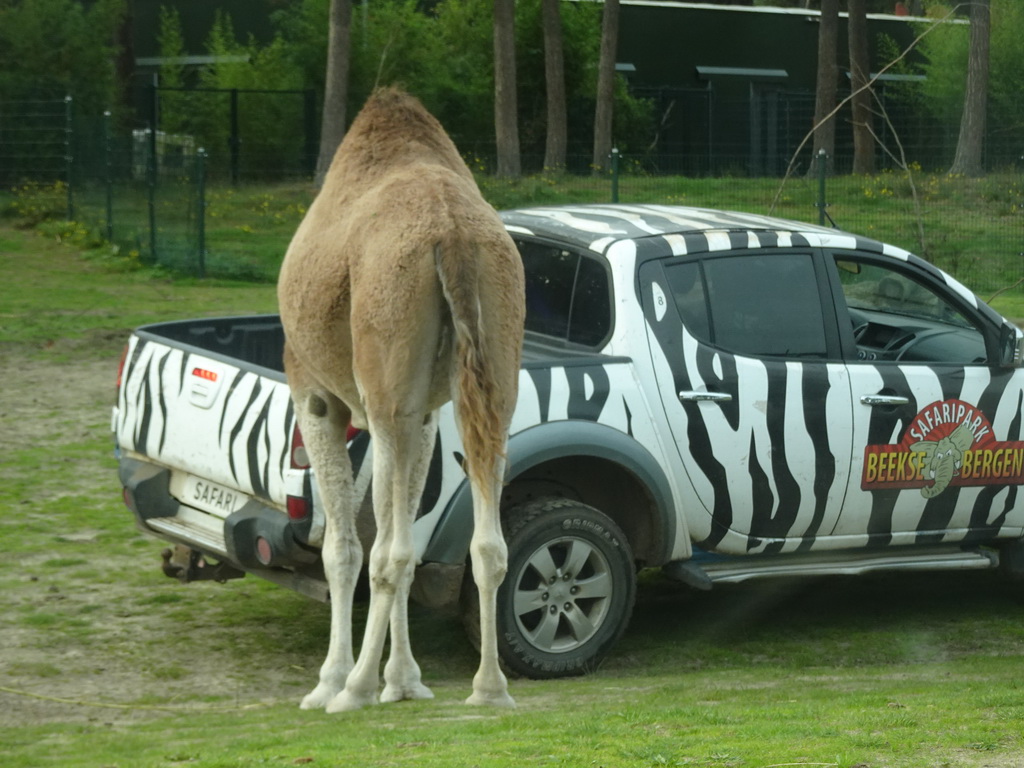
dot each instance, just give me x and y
(949, 443)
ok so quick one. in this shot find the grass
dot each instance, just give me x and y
(645, 726)
(970, 227)
(107, 662)
(51, 301)
(780, 698)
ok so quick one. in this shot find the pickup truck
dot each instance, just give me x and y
(720, 395)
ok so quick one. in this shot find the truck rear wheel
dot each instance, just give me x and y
(569, 592)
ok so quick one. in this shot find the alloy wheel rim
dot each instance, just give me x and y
(562, 594)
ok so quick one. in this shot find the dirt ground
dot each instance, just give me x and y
(88, 624)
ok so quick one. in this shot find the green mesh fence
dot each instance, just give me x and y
(164, 199)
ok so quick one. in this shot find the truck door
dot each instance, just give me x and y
(756, 394)
(937, 427)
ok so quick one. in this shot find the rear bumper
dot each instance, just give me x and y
(236, 539)
(256, 538)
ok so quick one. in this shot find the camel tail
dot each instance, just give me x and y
(478, 398)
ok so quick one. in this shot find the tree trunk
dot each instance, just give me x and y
(825, 94)
(506, 130)
(606, 86)
(860, 73)
(332, 125)
(554, 79)
(125, 63)
(972, 122)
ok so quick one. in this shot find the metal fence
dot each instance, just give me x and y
(160, 195)
(250, 134)
(703, 133)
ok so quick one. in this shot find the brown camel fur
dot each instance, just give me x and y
(401, 291)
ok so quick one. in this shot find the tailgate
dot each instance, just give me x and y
(217, 426)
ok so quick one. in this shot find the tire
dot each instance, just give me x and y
(552, 621)
(1011, 562)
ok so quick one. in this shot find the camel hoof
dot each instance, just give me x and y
(319, 697)
(493, 699)
(408, 692)
(349, 701)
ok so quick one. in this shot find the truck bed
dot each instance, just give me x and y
(257, 340)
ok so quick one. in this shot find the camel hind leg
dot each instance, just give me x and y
(323, 420)
(490, 562)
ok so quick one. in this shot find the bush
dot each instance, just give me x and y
(33, 202)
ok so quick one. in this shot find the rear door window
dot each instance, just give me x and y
(567, 294)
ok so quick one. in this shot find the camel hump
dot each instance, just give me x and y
(392, 131)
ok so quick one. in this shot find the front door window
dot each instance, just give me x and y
(895, 317)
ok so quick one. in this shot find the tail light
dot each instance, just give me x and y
(299, 456)
(298, 508)
(120, 367)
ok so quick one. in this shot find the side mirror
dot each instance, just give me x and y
(1011, 346)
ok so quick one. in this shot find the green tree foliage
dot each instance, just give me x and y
(446, 58)
(173, 106)
(1006, 65)
(946, 50)
(52, 48)
(270, 125)
(172, 48)
(443, 54)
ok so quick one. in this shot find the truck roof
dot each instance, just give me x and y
(684, 229)
(660, 230)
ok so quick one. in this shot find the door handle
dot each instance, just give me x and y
(705, 397)
(884, 400)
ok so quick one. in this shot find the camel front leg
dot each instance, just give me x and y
(402, 677)
(323, 421)
(391, 559)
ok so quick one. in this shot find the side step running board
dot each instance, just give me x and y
(702, 575)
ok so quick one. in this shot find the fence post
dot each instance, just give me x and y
(822, 166)
(154, 119)
(69, 159)
(309, 120)
(201, 208)
(151, 194)
(235, 141)
(615, 175)
(108, 177)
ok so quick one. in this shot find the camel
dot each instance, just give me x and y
(400, 291)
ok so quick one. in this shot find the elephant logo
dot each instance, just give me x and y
(943, 458)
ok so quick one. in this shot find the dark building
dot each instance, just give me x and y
(733, 86)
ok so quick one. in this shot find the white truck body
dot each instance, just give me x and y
(722, 395)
